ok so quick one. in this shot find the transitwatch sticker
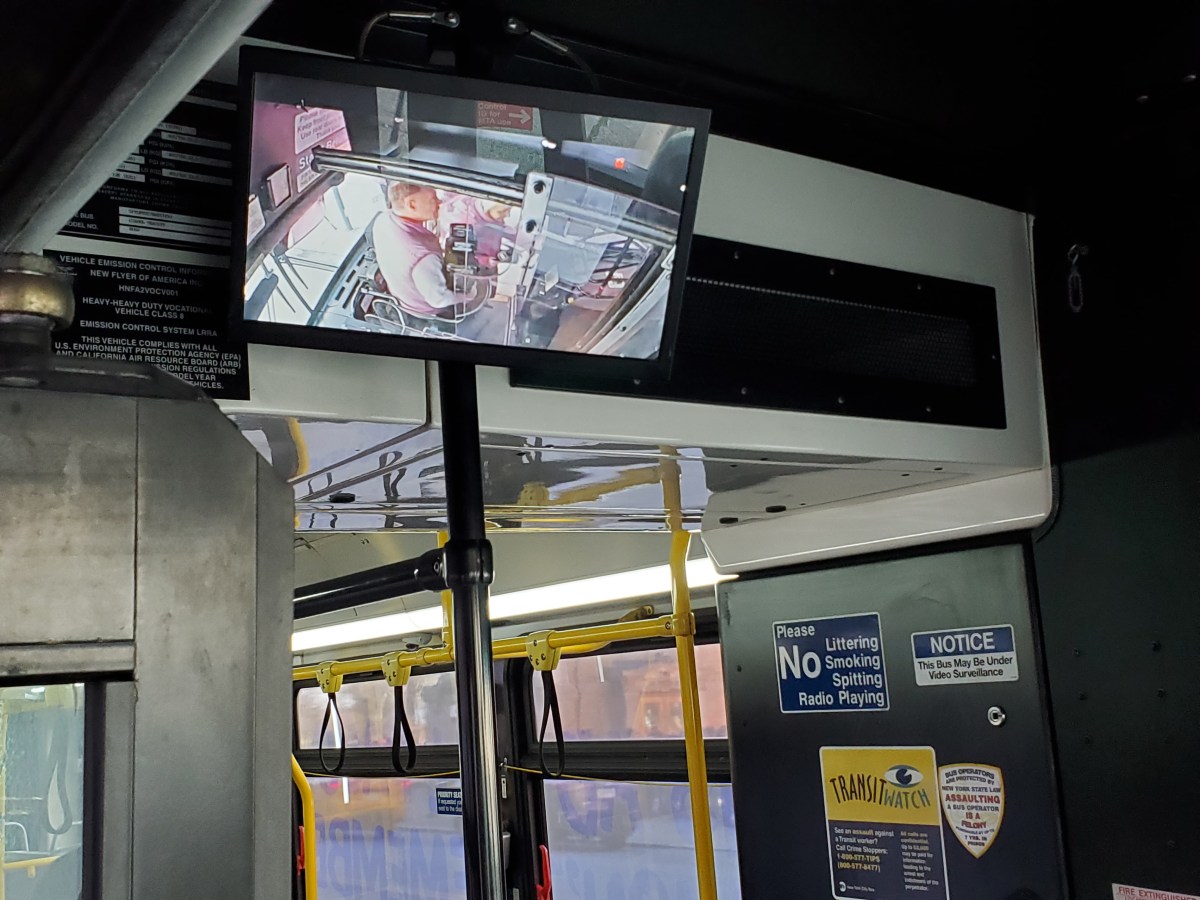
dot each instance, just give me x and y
(884, 823)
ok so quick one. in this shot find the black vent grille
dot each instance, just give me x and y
(832, 335)
(773, 329)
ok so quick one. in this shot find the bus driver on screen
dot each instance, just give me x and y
(409, 254)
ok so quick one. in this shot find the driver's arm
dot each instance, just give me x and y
(430, 280)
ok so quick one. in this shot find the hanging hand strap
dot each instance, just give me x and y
(550, 710)
(396, 674)
(331, 708)
(401, 728)
(544, 658)
(331, 683)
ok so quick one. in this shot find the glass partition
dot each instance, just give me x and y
(388, 839)
(613, 840)
(41, 791)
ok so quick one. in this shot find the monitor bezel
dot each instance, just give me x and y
(254, 61)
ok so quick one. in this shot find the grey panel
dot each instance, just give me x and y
(66, 517)
(115, 770)
(1117, 576)
(272, 689)
(196, 636)
(33, 661)
(778, 791)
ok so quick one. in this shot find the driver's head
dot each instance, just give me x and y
(412, 201)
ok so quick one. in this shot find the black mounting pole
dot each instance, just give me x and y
(468, 574)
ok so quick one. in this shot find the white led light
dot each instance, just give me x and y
(630, 585)
(360, 630)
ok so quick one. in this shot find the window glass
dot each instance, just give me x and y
(368, 712)
(41, 790)
(634, 696)
(383, 839)
(615, 840)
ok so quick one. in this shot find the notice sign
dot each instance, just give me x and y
(965, 655)
(884, 823)
(449, 801)
(153, 311)
(503, 115)
(973, 801)
(831, 665)
(1126, 892)
(150, 253)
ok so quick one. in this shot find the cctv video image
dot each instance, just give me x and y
(390, 212)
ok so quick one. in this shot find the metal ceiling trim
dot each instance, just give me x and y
(146, 62)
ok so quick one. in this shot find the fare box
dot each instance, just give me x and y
(965, 655)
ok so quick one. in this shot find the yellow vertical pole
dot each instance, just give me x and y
(309, 817)
(685, 650)
(447, 607)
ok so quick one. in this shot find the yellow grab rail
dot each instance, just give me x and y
(578, 640)
(685, 651)
(309, 817)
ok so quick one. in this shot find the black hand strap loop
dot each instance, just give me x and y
(401, 728)
(550, 710)
(331, 708)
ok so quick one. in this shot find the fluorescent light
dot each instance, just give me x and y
(360, 630)
(630, 585)
(601, 589)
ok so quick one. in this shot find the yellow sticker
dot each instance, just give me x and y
(884, 823)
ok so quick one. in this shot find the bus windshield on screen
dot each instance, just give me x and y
(382, 211)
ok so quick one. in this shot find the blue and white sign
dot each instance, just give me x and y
(449, 801)
(831, 665)
(965, 655)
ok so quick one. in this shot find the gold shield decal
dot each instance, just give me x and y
(973, 801)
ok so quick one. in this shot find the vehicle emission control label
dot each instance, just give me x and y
(965, 655)
(884, 823)
(831, 665)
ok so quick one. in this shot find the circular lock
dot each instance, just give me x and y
(996, 716)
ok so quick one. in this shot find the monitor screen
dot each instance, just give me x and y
(390, 211)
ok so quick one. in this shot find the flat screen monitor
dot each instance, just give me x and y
(436, 217)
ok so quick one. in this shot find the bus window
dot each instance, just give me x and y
(617, 840)
(368, 712)
(634, 696)
(41, 790)
(384, 839)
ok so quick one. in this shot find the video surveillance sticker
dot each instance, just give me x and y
(973, 801)
(884, 823)
(965, 655)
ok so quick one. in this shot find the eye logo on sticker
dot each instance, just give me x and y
(903, 776)
(973, 801)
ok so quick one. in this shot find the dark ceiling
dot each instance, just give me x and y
(1005, 101)
(996, 100)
